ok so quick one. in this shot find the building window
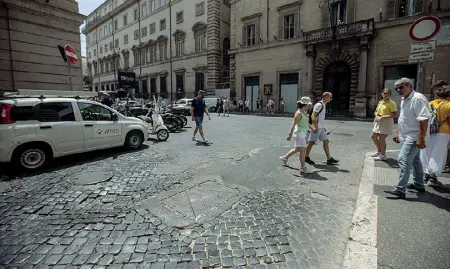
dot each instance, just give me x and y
(126, 60)
(110, 28)
(111, 45)
(153, 85)
(199, 43)
(152, 5)
(249, 36)
(136, 14)
(163, 84)
(144, 10)
(101, 50)
(153, 54)
(116, 43)
(289, 26)
(125, 20)
(125, 39)
(136, 34)
(226, 3)
(95, 68)
(162, 24)
(144, 31)
(106, 48)
(226, 54)
(95, 52)
(162, 3)
(339, 12)
(179, 46)
(89, 55)
(116, 25)
(199, 9)
(152, 28)
(101, 67)
(403, 8)
(143, 56)
(105, 30)
(180, 17)
(163, 51)
(136, 57)
(199, 82)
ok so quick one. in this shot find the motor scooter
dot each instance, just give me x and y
(156, 124)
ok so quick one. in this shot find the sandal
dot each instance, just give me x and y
(434, 182)
(446, 169)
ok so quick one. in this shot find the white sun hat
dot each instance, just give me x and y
(305, 100)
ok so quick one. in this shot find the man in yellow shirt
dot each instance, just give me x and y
(434, 156)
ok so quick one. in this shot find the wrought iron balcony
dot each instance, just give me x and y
(343, 31)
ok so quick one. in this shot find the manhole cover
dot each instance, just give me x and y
(90, 177)
(195, 203)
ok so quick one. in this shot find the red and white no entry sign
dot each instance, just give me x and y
(424, 28)
(71, 54)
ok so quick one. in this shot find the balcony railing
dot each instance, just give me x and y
(343, 31)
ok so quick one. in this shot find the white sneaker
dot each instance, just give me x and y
(380, 157)
(283, 160)
(305, 170)
(193, 138)
(376, 154)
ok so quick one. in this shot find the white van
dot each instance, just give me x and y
(34, 130)
(211, 102)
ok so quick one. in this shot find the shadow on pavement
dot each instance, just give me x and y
(391, 162)
(330, 168)
(314, 175)
(68, 161)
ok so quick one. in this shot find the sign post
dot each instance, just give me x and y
(422, 30)
(71, 56)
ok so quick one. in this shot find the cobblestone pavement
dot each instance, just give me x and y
(48, 220)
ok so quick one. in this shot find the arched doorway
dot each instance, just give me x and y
(337, 80)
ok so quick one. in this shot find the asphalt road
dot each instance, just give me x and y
(181, 204)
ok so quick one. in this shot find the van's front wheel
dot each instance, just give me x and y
(134, 140)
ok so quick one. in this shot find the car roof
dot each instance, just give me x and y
(34, 100)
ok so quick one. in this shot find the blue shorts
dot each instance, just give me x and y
(198, 121)
(321, 135)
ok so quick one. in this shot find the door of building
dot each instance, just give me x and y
(252, 91)
(289, 91)
(337, 80)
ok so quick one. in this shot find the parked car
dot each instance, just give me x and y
(35, 130)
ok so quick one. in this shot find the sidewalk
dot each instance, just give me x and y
(397, 233)
(289, 115)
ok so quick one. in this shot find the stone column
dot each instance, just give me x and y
(311, 55)
(361, 99)
(213, 43)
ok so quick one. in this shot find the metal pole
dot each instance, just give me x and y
(70, 75)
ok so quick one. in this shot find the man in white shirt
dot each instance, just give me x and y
(411, 133)
(319, 131)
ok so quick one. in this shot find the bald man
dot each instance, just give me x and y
(319, 132)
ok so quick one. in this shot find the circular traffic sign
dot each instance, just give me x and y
(71, 54)
(424, 28)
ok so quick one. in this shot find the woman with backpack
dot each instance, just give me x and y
(299, 128)
(385, 113)
(434, 156)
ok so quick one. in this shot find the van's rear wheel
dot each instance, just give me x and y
(31, 157)
(134, 140)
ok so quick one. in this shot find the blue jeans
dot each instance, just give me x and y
(408, 157)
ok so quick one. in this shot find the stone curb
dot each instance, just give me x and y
(362, 246)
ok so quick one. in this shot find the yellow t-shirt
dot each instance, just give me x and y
(443, 113)
(386, 108)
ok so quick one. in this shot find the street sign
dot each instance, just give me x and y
(71, 54)
(423, 46)
(421, 57)
(424, 28)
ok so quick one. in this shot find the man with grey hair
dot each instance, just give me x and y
(411, 132)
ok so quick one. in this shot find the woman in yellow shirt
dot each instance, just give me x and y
(384, 122)
(434, 156)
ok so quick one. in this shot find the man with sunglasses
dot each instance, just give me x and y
(411, 133)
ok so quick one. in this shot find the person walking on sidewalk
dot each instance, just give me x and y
(434, 156)
(299, 128)
(198, 109)
(384, 122)
(411, 132)
(319, 132)
(226, 108)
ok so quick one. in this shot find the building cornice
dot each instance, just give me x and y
(246, 18)
(96, 22)
(45, 10)
(297, 3)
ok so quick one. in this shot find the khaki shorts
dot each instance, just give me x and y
(384, 126)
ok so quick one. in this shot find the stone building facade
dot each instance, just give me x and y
(175, 48)
(30, 32)
(285, 49)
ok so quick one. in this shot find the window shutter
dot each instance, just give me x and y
(257, 31)
(418, 6)
(281, 27)
(244, 36)
(296, 24)
(390, 9)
